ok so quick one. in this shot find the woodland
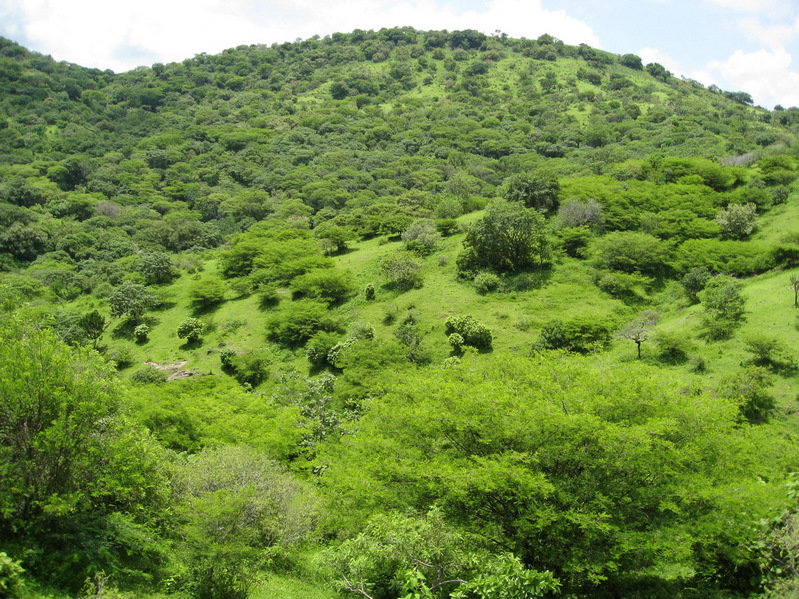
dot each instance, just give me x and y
(396, 315)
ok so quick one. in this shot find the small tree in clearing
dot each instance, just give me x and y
(639, 329)
(795, 285)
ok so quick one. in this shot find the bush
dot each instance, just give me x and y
(11, 582)
(190, 329)
(421, 237)
(672, 347)
(249, 368)
(319, 346)
(298, 321)
(582, 334)
(631, 252)
(206, 293)
(141, 332)
(326, 284)
(149, 374)
(737, 221)
(486, 282)
(474, 334)
(369, 292)
(402, 269)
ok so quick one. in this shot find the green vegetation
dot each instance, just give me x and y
(395, 314)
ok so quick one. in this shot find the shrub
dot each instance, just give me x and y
(582, 334)
(486, 282)
(630, 252)
(421, 237)
(474, 333)
(206, 293)
(327, 284)
(318, 348)
(141, 332)
(149, 374)
(190, 329)
(369, 292)
(737, 220)
(249, 368)
(672, 347)
(402, 269)
(298, 321)
(11, 582)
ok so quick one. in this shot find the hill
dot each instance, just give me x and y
(441, 313)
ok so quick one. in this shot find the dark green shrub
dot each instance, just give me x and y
(298, 321)
(474, 334)
(582, 334)
(249, 368)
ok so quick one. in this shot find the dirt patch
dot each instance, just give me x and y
(184, 374)
(175, 366)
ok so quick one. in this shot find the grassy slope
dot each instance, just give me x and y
(515, 317)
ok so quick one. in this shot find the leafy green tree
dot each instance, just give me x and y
(157, 268)
(723, 307)
(131, 300)
(538, 189)
(509, 238)
(569, 479)
(582, 334)
(631, 252)
(472, 332)
(327, 284)
(80, 486)
(206, 293)
(233, 505)
(190, 329)
(94, 325)
(298, 321)
(421, 237)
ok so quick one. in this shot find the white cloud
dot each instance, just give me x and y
(774, 35)
(765, 74)
(122, 34)
(654, 55)
(757, 6)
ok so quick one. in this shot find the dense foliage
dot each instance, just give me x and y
(357, 311)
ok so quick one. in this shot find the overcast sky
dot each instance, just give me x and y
(739, 45)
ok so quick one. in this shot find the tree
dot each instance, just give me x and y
(509, 238)
(421, 237)
(298, 321)
(79, 483)
(157, 267)
(94, 325)
(190, 329)
(737, 221)
(639, 329)
(574, 478)
(403, 269)
(723, 306)
(631, 252)
(327, 284)
(131, 300)
(206, 293)
(795, 286)
(538, 190)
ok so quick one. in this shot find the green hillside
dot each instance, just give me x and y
(395, 314)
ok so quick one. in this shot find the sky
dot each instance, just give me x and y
(738, 45)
